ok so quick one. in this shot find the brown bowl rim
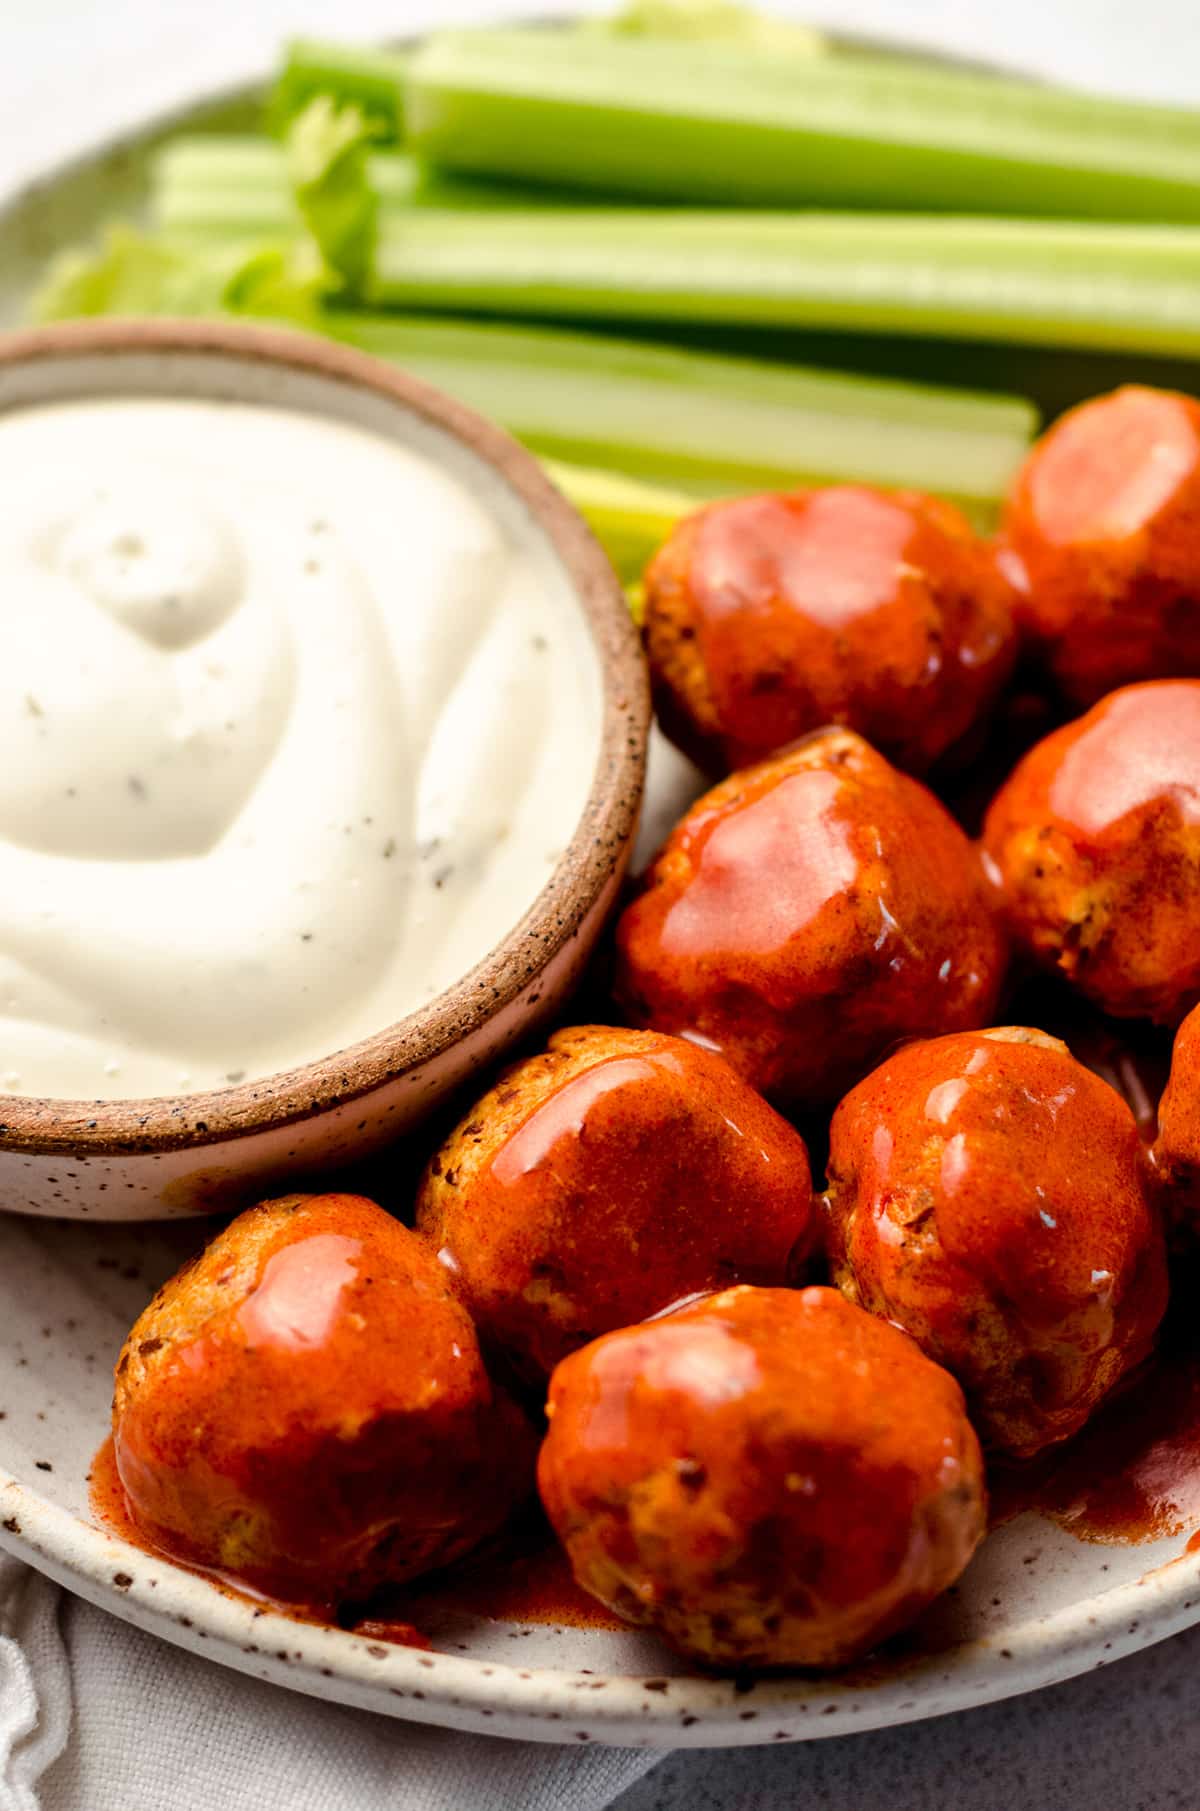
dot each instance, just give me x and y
(169, 1123)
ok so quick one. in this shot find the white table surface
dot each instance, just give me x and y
(1122, 1739)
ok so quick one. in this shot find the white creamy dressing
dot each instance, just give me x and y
(295, 722)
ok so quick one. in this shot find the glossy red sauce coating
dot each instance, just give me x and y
(769, 616)
(805, 915)
(1133, 1474)
(768, 1477)
(604, 1178)
(1177, 1147)
(1094, 843)
(522, 1576)
(1137, 750)
(106, 1493)
(305, 1408)
(991, 1195)
(109, 1505)
(1104, 521)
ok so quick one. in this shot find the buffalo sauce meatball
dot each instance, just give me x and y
(606, 1178)
(305, 1407)
(989, 1194)
(768, 1478)
(1094, 843)
(769, 616)
(1103, 526)
(808, 913)
(1177, 1148)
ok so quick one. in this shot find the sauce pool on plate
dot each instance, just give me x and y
(1133, 1474)
(524, 1577)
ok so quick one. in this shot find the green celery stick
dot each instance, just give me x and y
(237, 187)
(1050, 283)
(373, 80)
(644, 118)
(694, 422)
(715, 22)
(636, 433)
(131, 273)
(702, 422)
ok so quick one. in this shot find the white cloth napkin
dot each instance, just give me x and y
(96, 1716)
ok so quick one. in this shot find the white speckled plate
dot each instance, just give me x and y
(1036, 1606)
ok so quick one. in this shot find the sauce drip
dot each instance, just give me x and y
(523, 1577)
(1132, 1474)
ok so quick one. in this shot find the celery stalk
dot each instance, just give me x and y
(239, 187)
(643, 118)
(715, 22)
(373, 80)
(702, 422)
(1057, 284)
(691, 422)
(131, 273)
(326, 154)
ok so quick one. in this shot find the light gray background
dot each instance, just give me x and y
(1122, 1739)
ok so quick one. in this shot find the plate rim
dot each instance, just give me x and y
(534, 1703)
(492, 1697)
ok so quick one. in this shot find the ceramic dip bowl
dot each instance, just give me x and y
(201, 1152)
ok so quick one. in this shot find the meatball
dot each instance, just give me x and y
(989, 1194)
(769, 616)
(768, 1478)
(1177, 1148)
(606, 1178)
(1094, 843)
(1103, 530)
(808, 913)
(305, 1407)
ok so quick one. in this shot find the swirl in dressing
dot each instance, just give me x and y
(293, 727)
